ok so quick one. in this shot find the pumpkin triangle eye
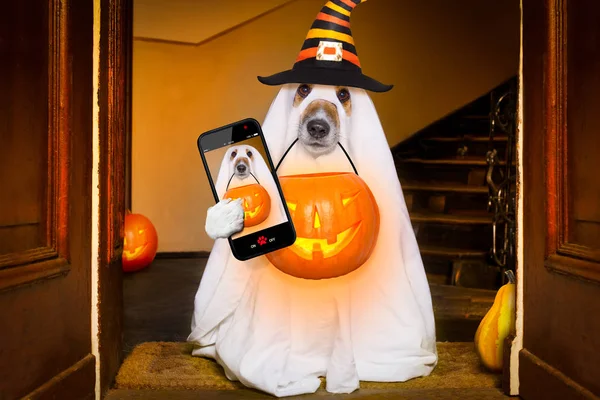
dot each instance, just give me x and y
(140, 231)
(291, 206)
(346, 200)
(317, 222)
(255, 194)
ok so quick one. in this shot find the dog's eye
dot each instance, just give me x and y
(249, 154)
(343, 95)
(304, 90)
(234, 153)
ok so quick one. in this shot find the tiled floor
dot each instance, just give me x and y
(159, 301)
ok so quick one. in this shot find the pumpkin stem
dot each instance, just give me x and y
(510, 275)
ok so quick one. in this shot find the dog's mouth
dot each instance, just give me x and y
(242, 175)
(316, 143)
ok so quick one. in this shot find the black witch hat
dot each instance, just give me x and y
(328, 56)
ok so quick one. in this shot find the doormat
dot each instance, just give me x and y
(170, 365)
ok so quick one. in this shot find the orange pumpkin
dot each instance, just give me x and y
(140, 243)
(337, 223)
(256, 202)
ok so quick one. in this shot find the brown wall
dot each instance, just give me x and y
(194, 21)
(438, 54)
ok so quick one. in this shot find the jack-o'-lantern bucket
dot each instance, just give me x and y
(255, 201)
(336, 219)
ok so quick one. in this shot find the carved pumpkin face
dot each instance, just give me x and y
(140, 242)
(256, 202)
(336, 220)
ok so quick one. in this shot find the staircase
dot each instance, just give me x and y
(443, 171)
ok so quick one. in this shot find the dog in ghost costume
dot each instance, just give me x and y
(242, 165)
(279, 333)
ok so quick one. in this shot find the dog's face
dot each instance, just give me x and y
(323, 116)
(240, 160)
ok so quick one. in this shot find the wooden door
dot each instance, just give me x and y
(45, 199)
(561, 188)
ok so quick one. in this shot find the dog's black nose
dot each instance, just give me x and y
(241, 168)
(318, 128)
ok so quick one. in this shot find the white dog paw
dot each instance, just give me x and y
(224, 218)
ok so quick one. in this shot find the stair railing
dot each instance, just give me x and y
(501, 178)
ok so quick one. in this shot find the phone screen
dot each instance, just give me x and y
(239, 166)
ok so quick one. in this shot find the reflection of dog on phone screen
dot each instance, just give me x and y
(240, 157)
(243, 165)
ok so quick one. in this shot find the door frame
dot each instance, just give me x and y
(514, 342)
(114, 150)
(113, 28)
(553, 265)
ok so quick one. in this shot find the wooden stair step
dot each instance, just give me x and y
(453, 302)
(459, 292)
(473, 161)
(465, 138)
(444, 187)
(459, 219)
(450, 252)
(438, 279)
(474, 116)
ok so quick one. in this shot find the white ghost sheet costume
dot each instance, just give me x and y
(259, 173)
(279, 334)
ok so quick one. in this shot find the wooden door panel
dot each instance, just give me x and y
(45, 214)
(561, 192)
(572, 84)
(583, 127)
(35, 144)
(23, 158)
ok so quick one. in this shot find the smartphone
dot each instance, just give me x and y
(239, 166)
